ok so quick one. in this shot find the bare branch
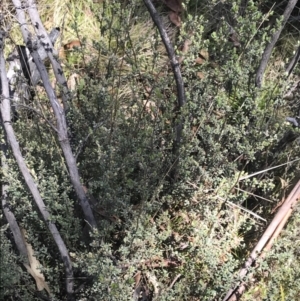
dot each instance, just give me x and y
(292, 64)
(174, 62)
(177, 75)
(57, 109)
(268, 51)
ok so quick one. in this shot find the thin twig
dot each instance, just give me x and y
(39, 114)
(267, 169)
(82, 144)
(246, 210)
(173, 282)
(255, 195)
(171, 53)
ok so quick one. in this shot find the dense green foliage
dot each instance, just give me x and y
(183, 232)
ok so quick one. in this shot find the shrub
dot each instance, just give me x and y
(163, 237)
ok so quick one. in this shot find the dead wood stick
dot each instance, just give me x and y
(266, 240)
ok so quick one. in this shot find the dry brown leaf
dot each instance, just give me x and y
(284, 183)
(137, 278)
(200, 61)
(175, 18)
(184, 50)
(138, 287)
(186, 46)
(203, 57)
(200, 75)
(39, 280)
(34, 268)
(204, 54)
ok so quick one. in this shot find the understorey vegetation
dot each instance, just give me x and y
(146, 146)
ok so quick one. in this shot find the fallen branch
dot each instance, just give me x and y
(266, 241)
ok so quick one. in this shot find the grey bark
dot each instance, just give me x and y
(32, 186)
(45, 40)
(15, 64)
(268, 50)
(23, 75)
(59, 112)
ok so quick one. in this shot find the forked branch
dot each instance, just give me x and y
(58, 110)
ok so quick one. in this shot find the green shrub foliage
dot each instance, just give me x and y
(161, 235)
